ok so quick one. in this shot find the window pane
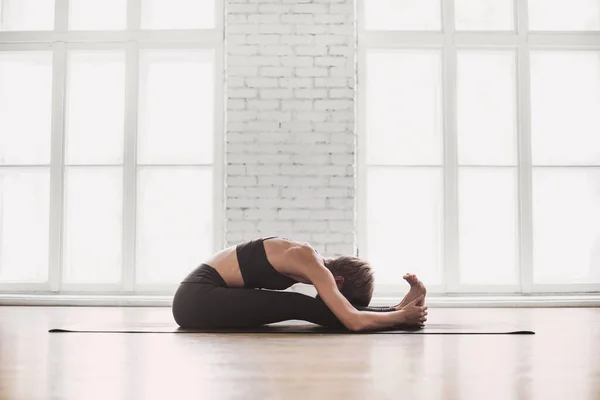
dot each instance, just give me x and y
(403, 15)
(404, 107)
(404, 223)
(174, 222)
(565, 99)
(566, 225)
(25, 107)
(97, 15)
(93, 225)
(24, 225)
(486, 108)
(178, 14)
(95, 107)
(26, 15)
(488, 15)
(488, 226)
(176, 117)
(564, 15)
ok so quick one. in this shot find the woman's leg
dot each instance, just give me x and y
(206, 306)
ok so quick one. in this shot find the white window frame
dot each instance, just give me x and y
(520, 40)
(132, 39)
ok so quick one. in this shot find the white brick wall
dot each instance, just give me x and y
(290, 76)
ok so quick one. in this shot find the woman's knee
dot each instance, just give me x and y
(190, 306)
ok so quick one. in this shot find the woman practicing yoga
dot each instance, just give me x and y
(223, 293)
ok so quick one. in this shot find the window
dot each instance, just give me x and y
(479, 145)
(109, 143)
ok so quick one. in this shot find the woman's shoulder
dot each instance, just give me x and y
(286, 247)
(290, 257)
(278, 247)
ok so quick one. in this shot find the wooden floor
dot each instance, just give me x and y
(562, 361)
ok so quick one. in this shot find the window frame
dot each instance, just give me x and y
(132, 39)
(522, 42)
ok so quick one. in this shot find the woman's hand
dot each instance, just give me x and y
(414, 314)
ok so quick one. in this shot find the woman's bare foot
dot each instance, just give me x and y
(417, 288)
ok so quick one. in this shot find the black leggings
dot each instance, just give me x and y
(204, 301)
(207, 302)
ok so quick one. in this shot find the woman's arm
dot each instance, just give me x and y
(375, 308)
(303, 260)
(352, 318)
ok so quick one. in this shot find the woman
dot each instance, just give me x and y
(223, 292)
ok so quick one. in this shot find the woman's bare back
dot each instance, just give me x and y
(227, 265)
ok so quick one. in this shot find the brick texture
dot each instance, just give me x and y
(290, 125)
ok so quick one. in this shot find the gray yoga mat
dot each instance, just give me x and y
(166, 327)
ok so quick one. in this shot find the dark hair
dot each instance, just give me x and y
(358, 278)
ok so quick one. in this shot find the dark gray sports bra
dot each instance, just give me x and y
(256, 269)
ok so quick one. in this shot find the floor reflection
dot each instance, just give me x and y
(560, 361)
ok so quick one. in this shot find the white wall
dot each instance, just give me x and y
(290, 121)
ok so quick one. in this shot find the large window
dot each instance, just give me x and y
(479, 143)
(109, 142)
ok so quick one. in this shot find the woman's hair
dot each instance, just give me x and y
(358, 278)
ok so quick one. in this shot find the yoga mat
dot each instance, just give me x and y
(167, 327)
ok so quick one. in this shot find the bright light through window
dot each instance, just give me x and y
(484, 15)
(97, 15)
(95, 107)
(178, 14)
(108, 110)
(471, 139)
(564, 15)
(403, 15)
(26, 15)
(25, 107)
